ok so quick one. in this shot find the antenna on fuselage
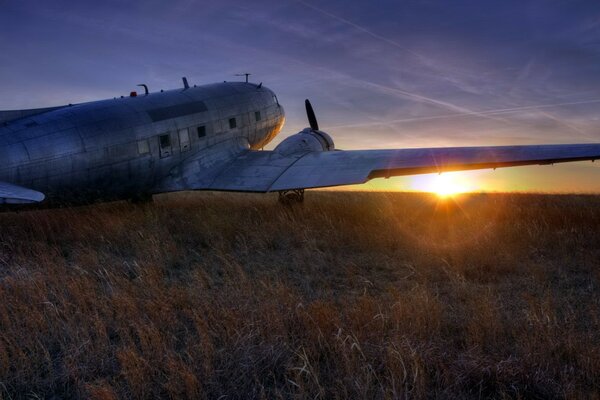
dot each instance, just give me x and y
(244, 74)
(186, 85)
(145, 88)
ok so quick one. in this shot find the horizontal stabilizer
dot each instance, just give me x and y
(12, 194)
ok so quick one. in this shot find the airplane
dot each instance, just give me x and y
(208, 137)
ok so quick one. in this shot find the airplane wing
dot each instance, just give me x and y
(266, 171)
(12, 194)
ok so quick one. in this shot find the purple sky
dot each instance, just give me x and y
(380, 74)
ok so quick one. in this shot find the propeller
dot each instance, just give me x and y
(312, 120)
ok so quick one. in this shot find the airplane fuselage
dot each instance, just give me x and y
(207, 138)
(124, 147)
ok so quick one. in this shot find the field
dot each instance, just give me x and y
(352, 295)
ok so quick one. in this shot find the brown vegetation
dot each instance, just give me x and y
(352, 295)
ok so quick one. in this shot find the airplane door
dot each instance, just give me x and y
(184, 139)
(165, 145)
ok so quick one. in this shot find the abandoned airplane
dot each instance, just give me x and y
(207, 138)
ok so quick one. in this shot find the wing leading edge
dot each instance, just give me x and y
(265, 171)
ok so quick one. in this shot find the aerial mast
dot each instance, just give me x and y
(246, 74)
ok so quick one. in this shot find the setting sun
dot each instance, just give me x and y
(444, 185)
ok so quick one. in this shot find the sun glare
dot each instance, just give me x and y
(444, 185)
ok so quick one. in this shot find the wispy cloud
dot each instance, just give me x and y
(478, 114)
(363, 30)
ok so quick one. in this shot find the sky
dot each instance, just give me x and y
(380, 74)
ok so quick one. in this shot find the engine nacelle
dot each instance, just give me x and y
(305, 141)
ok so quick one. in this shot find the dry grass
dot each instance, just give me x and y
(358, 295)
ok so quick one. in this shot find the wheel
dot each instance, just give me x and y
(291, 197)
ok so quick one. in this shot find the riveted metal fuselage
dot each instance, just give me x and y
(124, 147)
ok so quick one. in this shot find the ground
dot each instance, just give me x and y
(350, 295)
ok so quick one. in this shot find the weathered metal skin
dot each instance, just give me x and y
(117, 149)
(208, 138)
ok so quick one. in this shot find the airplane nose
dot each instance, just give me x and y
(281, 119)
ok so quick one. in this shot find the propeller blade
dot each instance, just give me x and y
(312, 120)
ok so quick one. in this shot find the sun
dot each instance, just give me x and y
(448, 185)
(444, 185)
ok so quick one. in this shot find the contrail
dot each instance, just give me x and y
(422, 58)
(362, 29)
(486, 113)
(460, 111)
(423, 98)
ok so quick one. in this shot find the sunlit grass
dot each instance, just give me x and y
(352, 295)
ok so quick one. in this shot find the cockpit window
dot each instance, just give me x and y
(275, 100)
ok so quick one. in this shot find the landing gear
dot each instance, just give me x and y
(291, 197)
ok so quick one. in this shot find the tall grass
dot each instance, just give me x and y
(352, 295)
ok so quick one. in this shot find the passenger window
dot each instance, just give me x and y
(165, 145)
(257, 115)
(232, 123)
(184, 139)
(201, 131)
(165, 141)
(143, 147)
